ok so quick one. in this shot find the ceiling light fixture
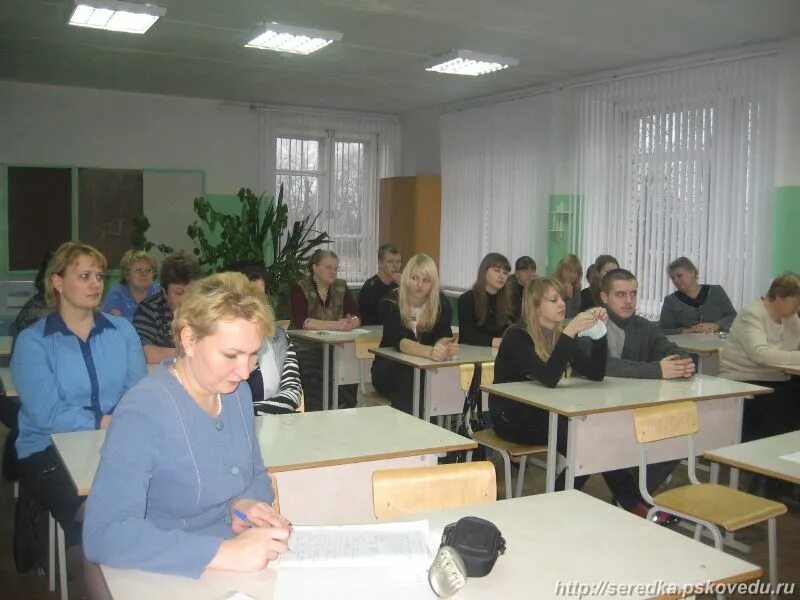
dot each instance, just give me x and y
(297, 40)
(467, 62)
(114, 15)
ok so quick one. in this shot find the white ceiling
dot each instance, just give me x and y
(197, 49)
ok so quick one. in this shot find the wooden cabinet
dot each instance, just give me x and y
(411, 214)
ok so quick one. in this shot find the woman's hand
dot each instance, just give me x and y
(258, 513)
(251, 550)
(444, 349)
(345, 324)
(581, 322)
(600, 314)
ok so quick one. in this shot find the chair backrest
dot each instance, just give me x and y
(364, 344)
(397, 492)
(662, 422)
(283, 324)
(466, 371)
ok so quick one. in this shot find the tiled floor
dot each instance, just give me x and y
(30, 586)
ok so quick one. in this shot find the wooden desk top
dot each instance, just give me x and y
(335, 437)
(790, 369)
(5, 345)
(299, 441)
(698, 343)
(551, 538)
(8, 381)
(324, 337)
(763, 456)
(467, 355)
(577, 396)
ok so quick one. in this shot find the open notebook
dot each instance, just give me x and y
(381, 560)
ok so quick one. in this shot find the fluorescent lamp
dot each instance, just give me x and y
(115, 15)
(297, 40)
(467, 62)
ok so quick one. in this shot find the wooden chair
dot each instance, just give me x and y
(283, 324)
(705, 504)
(398, 492)
(488, 438)
(367, 396)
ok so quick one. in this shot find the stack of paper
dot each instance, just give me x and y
(382, 560)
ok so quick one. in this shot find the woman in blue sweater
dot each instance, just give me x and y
(71, 368)
(181, 464)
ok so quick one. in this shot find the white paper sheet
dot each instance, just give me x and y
(383, 560)
(335, 332)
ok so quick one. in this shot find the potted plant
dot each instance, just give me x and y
(259, 233)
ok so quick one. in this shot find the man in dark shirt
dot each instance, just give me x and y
(153, 317)
(381, 284)
(637, 349)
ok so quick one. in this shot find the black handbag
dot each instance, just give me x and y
(478, 541)
(471, 420)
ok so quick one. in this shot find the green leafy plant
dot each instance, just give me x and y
(259, 233)
(139, 239)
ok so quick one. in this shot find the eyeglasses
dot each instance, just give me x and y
(142, 271)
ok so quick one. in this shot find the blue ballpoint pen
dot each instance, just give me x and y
(243, 517)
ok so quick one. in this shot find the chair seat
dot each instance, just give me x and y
(488, 437)
(720, 505)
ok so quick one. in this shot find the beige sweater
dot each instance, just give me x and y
(755, 340)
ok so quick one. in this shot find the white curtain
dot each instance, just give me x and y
(497, 174)
(679, 164)
(661, 165)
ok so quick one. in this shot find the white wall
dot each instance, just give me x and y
(421, 143)
(53, 125)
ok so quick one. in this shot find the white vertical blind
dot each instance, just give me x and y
(679, 163)
(497, 174)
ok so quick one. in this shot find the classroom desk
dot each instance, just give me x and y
(763, 456)
(339, 362)
(788, 369)
(8, 381)
(441, 382)
(323, 461)
(600, 434)
(551, 539)
(705, 345)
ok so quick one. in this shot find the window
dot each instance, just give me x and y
(678, 164)
(333, 177)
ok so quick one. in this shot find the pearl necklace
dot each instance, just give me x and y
(178, 377)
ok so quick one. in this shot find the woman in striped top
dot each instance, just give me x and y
(275, 382)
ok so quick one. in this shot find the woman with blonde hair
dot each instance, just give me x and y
(416, 320)
(568, 275)
(539, 348)
(181, 485)
(70, 368)
(138, 269)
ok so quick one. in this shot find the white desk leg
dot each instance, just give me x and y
(426, 398)
(571, 445)
(415, 404)
(334, 366)
(552, 433)
(326, 377)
